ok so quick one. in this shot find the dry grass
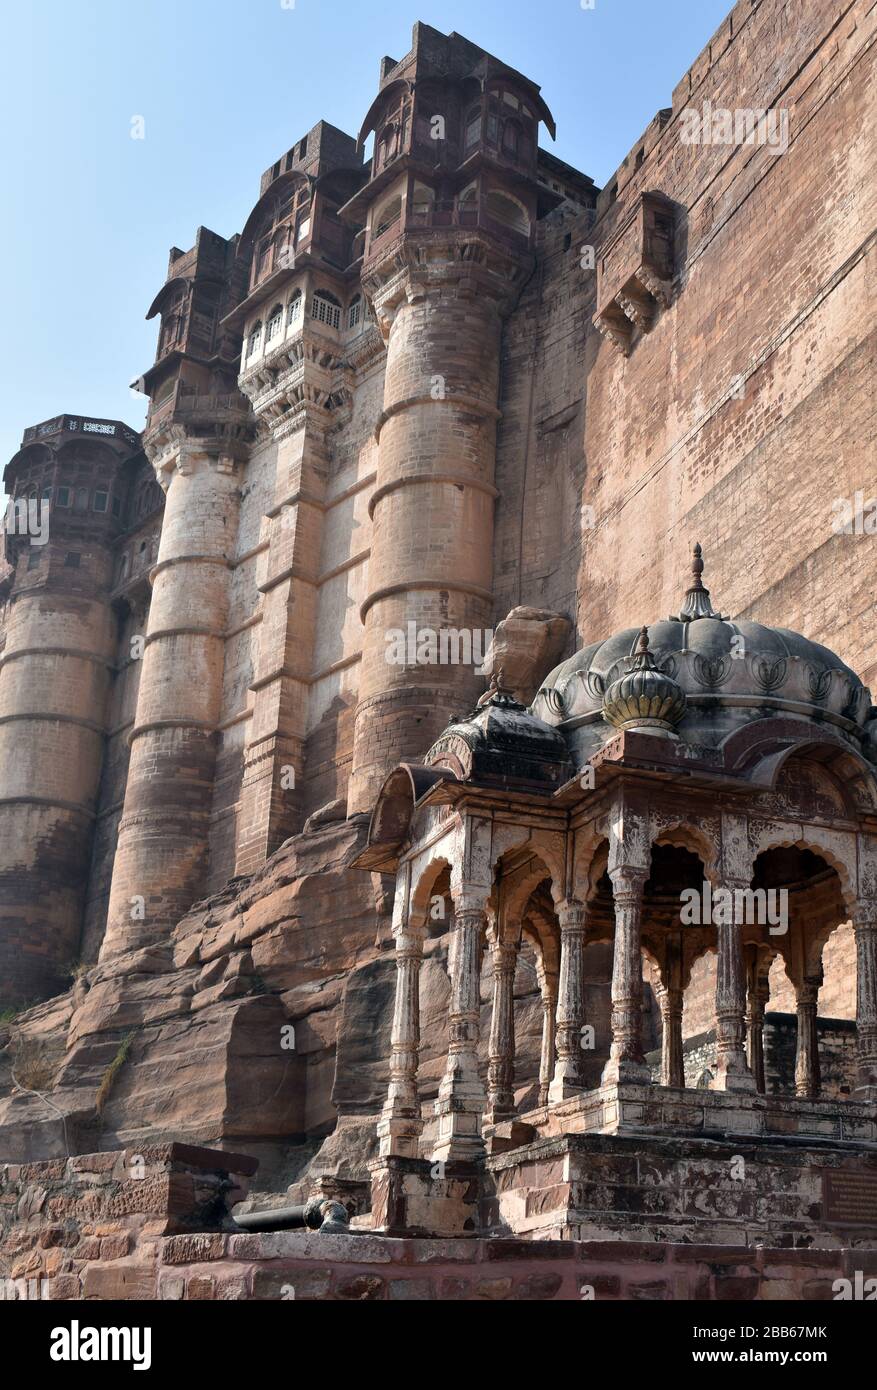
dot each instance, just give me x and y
(33, 1068)
(112, 1071)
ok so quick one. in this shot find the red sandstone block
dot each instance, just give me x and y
(51, 1235)
(132, 1282)
(361, 1288)
(192, 1249)
(114, 1247)
(199, 1287)
(65, 1286)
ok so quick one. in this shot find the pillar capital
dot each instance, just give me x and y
(572, 915)
(504, 955)
(470, 899)
(628, 882)
(864, 914)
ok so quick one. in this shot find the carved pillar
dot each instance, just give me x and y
(732, 1071)
(808, 1081)
(400, 1125)
(626, 1060)
(568, 1080)
(865, 927)
(672, 1063)
(548, 988)
(501, 1051)
(757, 995)
(460, 1103)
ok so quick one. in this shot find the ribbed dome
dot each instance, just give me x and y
(744, 667)
(644, 697)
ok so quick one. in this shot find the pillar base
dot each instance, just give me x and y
(621, 1070)
(459, 1132)
(733, 1075)
(498, 1115)
(399, 1136)
(562, 1088)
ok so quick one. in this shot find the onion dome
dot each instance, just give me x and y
(644, 697)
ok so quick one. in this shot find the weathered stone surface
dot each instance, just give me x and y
(526, 644)
(260, 1014)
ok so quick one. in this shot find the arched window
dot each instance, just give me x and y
(293, 313)
(422, 202)
(508, 212)
(263, 256)
(386, 145)
(388, 215)
(275, 321)
(325, 308)
(255, 338)
(511, 139)
(354, 311)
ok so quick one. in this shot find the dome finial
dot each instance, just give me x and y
(697, 598)
(645, 697)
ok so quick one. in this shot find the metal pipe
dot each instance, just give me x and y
(319, 1214)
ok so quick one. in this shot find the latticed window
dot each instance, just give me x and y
(473, 127)
(326, 309)
(274, 323)
(254, 339)
(293, 313)
(354, 312)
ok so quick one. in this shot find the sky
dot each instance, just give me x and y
(218, 89)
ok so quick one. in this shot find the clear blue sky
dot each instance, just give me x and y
(224, 87)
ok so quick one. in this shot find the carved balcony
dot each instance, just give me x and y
(635, 271)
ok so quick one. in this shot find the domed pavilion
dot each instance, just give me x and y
(689, 785)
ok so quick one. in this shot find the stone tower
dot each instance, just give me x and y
(451, 210)
(195, 437)
(68, 487)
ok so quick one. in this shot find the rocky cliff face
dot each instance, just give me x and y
(262, 1024)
